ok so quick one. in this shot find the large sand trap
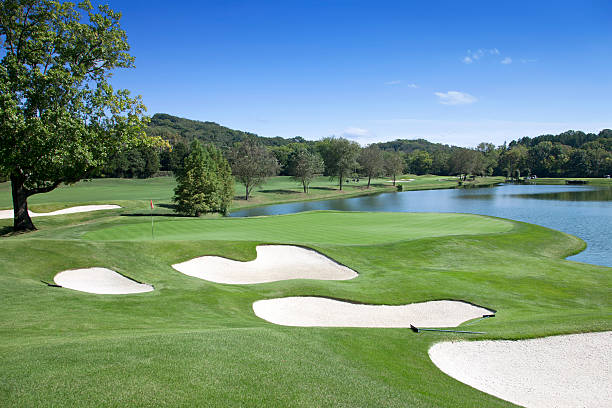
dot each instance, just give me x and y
(400, 181)
(4, 214)
(273, 263)
(559, 371)
(99, 280)
(324, 312)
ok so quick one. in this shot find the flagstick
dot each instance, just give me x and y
(152, 237)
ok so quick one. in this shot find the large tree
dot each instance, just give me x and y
(306, 166)
(340, 157)
(371, 161)
(394, 164)
(60, 118)
(205, 183)
(252, 163)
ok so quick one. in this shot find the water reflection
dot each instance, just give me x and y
(578, 210)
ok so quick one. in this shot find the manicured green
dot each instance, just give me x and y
(196, 343)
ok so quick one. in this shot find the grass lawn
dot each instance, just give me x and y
(196, 343)
(135, 194)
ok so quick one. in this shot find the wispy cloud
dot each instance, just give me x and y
(473, 56)
(355, 132)
(455, 98)
(528, 61)
(400, 82)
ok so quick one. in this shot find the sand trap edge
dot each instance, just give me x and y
(100, 281)
(318, 311)
(268, 267)
(572, 370)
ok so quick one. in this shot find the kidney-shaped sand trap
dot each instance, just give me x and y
(559, 371)
(5, 214)
(323, 312)
(99, 280)
(273, 263)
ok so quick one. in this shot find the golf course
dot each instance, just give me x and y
(188, 341)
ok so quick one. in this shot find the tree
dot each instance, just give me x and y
(307, 165)
(394, 164)
(205, 184)
(340, 157)
(60, 118)
(463, 162)
(252, 163)
(371, 161)
(420, 162)
(514, 160)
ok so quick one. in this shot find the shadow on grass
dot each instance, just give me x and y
(323, 188)
(278, 191)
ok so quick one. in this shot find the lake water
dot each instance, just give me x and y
(583, 211)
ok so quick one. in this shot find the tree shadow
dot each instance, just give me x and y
(323, 188)
(278, 191)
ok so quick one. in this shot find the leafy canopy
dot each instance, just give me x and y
(60, 118)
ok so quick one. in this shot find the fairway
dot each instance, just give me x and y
(325, 227)
(191, 340)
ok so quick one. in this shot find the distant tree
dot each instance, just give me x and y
(394, 164)
(340, 157)
(179, 153)
(371, 161)
(464, 162)
(60, 118)
(420, 162)
(205, 184)
(514, 160)
(307, 165)
(252, 163)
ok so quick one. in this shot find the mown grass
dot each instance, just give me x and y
(196, 343)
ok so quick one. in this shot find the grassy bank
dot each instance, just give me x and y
(134, 194)
(191, 342)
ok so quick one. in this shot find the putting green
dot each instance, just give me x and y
(327, 227)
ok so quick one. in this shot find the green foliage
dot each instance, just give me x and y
(175, 129)
(340, 157)
(252, 164)
(306, 166)
(420, 162)
(205, 183)
(60, 118)
(394, 164)
(371, 161)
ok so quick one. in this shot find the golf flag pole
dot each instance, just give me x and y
(152, 237)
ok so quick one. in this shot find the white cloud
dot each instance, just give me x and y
(355, 132)
(396, 82)
(506, 61)
(455, 98)
(479, 53)
(527, 61)
(412, 85)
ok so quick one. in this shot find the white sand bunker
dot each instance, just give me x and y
(559, 371)
(273, 263)
(99, 280)
(5, 214)
(324, 312)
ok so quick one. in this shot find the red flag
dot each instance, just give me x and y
(152, 204)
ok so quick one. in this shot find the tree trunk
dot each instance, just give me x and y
(341, 177)
(394, 180)
(246, 193)
(369, 177)
(21, 217)
(305, 187)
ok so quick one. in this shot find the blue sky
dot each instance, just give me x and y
(451, 72)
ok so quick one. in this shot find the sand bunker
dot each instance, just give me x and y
(324, 312)
(273, 263)
(99, 280)
(4, 214)
(559, 371)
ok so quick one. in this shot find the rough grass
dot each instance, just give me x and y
(197, 343)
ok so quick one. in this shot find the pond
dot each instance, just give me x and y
(583, 211)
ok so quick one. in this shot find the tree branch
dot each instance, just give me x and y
(39, 190)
